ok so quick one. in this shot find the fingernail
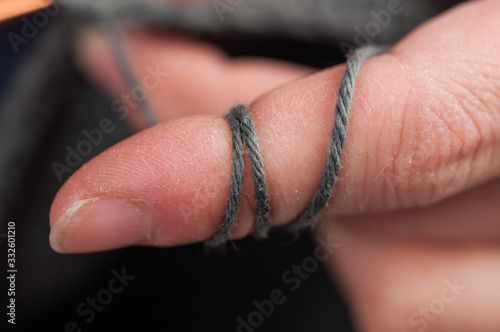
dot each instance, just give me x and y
(100, 224)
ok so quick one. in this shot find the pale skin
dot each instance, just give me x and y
(417, 202)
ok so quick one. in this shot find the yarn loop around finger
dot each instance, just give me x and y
(243, 133)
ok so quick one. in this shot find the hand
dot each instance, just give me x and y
(416, 211)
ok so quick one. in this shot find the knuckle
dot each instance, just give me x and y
(441, 136)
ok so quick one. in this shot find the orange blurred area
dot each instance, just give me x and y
(13, 8)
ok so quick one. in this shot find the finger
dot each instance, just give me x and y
(413, 280)
(469, 217)
(415, 138)
(180, 75)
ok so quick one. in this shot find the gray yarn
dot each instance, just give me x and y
(237, 172)
(243, 130)
(263, 201)
(262, 198)
(339, 133)
(242, 127)
(116, 40)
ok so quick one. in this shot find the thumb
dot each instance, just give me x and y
(423, 127)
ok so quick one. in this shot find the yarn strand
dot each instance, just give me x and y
(258, 174)
(243, 131)
(237, 172)
(116, 40)
(339, 133)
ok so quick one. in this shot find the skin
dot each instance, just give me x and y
(417, 201)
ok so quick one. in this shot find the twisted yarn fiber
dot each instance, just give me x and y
(337, 141)
(243, 129)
